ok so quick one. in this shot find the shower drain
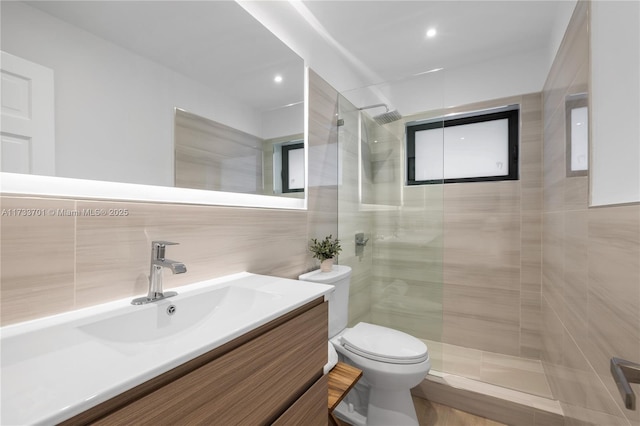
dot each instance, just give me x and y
(171, 309)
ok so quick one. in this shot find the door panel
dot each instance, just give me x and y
(28, 129)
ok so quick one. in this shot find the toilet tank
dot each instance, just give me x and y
(339, 277)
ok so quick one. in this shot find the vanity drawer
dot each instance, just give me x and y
(253, 384)
(310, 409)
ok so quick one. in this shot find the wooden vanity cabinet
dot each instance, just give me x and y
(271, 375)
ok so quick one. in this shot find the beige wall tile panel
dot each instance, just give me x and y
(614, 289)
(553, 259)
(554, 164)
(482, 197)
(423, 325)
(573, 377)
(113, 252)
(532, 194)
(552, 340)
(530, 323)
(482, 250)
(482, 318)
(576, 276)
(532, 198)
(428, 198)
(531, 275)
(530, 342)
(591, 297)
(579, 383)
(359, 305)
(37, 270)
(576, 193)
(560, 246)
(401, 249)
(531, 252)
(531, 117)
(531, 164)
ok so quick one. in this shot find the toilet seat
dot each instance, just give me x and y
(384, 344)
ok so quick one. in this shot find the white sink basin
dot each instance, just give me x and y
(56, 367)
(163, 319)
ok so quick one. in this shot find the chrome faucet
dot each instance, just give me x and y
(158, 261)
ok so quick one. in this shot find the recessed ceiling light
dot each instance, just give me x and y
(431, 32)
(278, 79)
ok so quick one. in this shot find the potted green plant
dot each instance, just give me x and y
(325, 251)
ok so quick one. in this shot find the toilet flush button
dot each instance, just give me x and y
(351, 407)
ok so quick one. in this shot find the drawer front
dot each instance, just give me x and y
(253, 384)
(311, 409)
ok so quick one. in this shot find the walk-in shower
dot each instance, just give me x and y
(443, 261)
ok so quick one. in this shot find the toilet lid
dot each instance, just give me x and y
(384, 344)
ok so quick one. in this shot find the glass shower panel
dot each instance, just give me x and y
(398, 273)
(352, 218)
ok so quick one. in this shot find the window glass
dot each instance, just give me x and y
(473, 148)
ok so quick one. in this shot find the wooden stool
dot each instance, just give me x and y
(342, 378)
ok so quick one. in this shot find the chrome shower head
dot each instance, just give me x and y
(386, 117)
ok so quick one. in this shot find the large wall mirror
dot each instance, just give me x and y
(105, 87)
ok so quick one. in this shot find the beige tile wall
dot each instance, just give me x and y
(56, 263)
(492, 251)
(591, 263)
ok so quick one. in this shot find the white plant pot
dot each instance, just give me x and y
(326, 265)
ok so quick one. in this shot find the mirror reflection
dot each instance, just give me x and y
(107, 78)
(212, 156)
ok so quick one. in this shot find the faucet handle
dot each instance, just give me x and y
(163, 243)
(157, 248)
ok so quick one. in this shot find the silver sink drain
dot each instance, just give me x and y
(171, 309)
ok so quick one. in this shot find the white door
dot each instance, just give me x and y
(28, 129)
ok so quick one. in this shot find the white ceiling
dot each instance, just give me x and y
(389, 37)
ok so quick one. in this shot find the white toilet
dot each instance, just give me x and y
(392, 361)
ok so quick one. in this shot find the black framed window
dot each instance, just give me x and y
(293, 167)
(481, 147)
